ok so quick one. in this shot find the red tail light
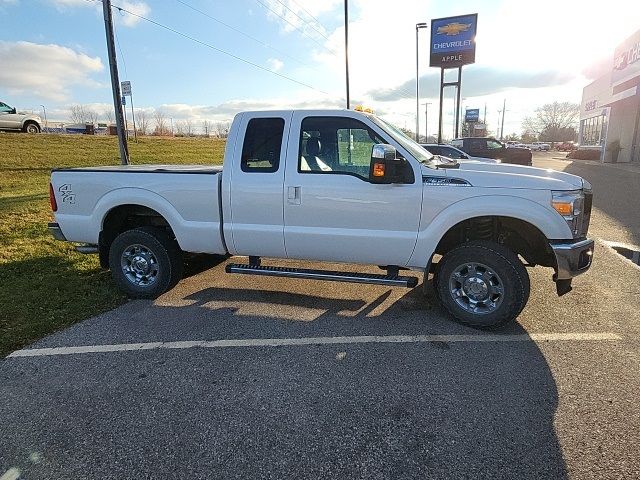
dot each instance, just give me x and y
(52, 199)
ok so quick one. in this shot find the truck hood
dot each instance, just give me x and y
(504, 175)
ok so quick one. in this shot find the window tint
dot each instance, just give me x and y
(262, 145)
(336, 145)
(4, 107)
(457, 143)
(493, 145)
(451, 153)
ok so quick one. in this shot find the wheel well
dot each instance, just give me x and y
(123, 218)
(517, 235)
(29, 122)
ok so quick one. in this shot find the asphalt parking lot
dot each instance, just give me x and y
(251, 377)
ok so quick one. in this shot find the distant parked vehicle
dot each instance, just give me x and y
(488, 147)
(539, 147)
(453, 152)
(566, 147)
(10, 119)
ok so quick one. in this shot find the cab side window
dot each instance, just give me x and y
(262, 145)
(494, 145)
(337, 145)
(477, 144)
(5, 108)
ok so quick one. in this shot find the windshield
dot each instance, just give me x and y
(407, 143)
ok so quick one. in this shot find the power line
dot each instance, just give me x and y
(212, 47)
(305, 21)
(296, 27)
(237, 30)
(308, 13)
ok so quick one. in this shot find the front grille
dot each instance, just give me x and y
(588, 201)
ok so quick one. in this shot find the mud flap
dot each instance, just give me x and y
(563, 286)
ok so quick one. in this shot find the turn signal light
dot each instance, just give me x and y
(52, 199)
(378, 169)
(563, 208)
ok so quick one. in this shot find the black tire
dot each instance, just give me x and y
(31, 127)
(155, 249)
(493, 266)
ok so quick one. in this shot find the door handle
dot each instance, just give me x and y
(293, 195)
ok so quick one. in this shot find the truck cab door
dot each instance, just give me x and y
(332, 212)
(253, 184)
(5, 116)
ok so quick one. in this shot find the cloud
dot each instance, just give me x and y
(46, 71)
(138, 8)
(120, 17)
(476, 81)
(275, 64)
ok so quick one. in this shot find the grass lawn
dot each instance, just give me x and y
(44, 284)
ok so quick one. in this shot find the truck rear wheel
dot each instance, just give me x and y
(482, 284)
(145, 262)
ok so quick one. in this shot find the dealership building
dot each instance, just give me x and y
(610, 109)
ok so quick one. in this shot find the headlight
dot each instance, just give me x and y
(570, 204)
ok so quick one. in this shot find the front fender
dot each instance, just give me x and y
(548, 221)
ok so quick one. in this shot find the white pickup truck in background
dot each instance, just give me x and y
(334, 186)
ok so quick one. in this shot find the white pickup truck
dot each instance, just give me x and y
(334, 186)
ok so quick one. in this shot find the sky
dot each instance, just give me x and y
(209, 59)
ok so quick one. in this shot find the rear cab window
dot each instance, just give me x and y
(262, 145)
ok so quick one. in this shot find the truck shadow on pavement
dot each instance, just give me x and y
(383, 410)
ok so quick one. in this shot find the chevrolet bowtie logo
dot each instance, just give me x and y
(454, 28)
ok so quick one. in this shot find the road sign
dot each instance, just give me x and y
(471, 115)
(453, 41)
(126, 88)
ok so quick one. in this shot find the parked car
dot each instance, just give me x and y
(540, 146)
(488, 147)
(334, 186)
(566, 146)
(10, 119)
(454, 153)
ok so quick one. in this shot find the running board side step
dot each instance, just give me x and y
(333, 276)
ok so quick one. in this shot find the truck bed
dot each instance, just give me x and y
(187, 196)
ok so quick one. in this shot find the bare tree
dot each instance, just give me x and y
(142, 121)
(82, 114)
(207, 127)
(188, 127)
(222, 129)
(180, 129)
(553, 120)
(161, 122)
(109, 115)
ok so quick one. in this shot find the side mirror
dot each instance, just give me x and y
(13, 111)
(385, 168)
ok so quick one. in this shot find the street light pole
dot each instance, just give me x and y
(504, 110)
(418, 27)
(346, 48)
(426, 121)
(46, 124)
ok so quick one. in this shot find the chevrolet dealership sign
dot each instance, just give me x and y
(453, 41)
(626, 61)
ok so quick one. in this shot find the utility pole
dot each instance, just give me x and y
(346, 48)
(504, 110)
(115, 82)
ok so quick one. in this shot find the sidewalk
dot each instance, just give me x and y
(628, 167)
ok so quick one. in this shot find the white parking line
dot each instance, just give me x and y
(287, 342)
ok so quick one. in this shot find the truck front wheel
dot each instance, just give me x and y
(482, 284)
(145, 262)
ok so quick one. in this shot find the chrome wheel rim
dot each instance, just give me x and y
(32, 129)
(476, 288)
(139, 265)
